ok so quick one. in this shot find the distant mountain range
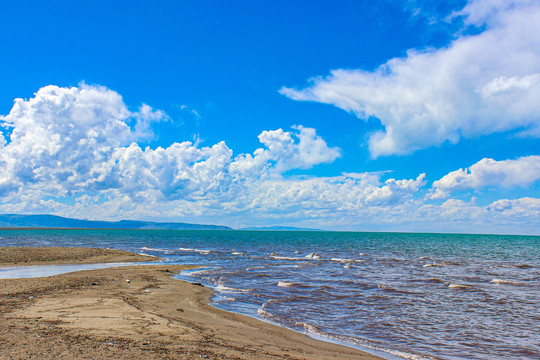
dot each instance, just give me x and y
(52, 221)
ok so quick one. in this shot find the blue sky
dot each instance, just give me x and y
(398, 116)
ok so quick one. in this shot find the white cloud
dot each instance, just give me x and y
(310, 149)
(488, 172)
(60, 135)
(73, 152)
(76, 141)
(517, 208)
(479, 84)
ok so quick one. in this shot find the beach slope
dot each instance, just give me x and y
(137, 312)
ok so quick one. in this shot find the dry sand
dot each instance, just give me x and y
(98, 314)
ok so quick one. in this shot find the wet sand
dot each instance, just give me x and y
(134, 312)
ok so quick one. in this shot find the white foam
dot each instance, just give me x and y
(145, 254)
(285, 284)
(200, 251)
(458, 286)
(221, 287)
(237, 253)
(310, 329)
(505, 282)
(313, 256)
(153, 249)
(341, 260)
(264, 314)
(285, 258)
(434, 264)
(191, 272)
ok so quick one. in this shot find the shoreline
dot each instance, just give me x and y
(136, 312)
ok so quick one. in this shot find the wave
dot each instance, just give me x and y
(313, 256)
(200, 251)
(310, 329)
(519, 266)
(255, 268)
(438, 264)
(221, 287)
(237, 253)
(315, 332)
(277, 257)
(145, 254)
(264, 314)
(285, 284)
(384, 287)
(192, 272)
(506, 282)
(223, 299)
(154, 249)
(458, 286)
(262, 276)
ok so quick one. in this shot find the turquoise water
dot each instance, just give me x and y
(411, 295)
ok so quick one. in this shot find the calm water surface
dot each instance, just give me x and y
(419, 296)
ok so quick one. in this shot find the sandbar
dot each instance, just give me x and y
(135, 312)
(23, 256)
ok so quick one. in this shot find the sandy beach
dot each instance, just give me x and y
(132, 312)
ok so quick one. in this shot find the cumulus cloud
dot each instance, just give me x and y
(524, 211)
(60, 134)
(81, 142)
(488, 172)
(479, 84)
(77, 152)
(516, 208)
(288, 154)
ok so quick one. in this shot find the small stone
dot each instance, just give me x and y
(128, 281)
(180, 310)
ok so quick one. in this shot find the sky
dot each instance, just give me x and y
(402, 115)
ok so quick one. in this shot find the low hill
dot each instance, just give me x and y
(53, 221)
